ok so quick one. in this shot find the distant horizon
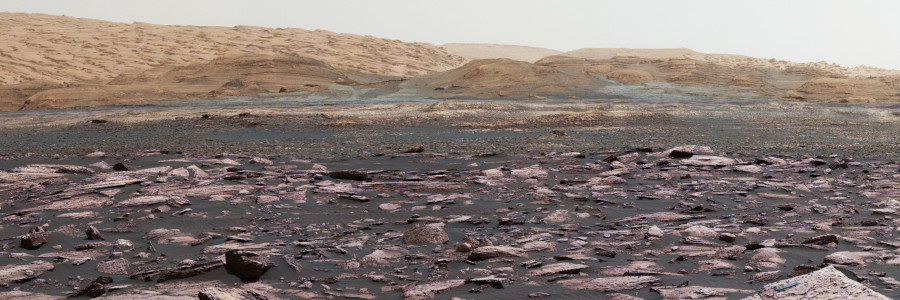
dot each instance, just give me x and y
(848, 34)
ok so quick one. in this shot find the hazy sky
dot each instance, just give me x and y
(850, 33)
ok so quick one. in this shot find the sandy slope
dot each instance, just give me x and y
(66, 49)
(488, 51)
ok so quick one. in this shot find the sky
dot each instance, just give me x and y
(849, 33)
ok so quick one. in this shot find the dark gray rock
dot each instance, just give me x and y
(247, 265)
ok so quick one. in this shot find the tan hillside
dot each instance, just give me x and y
(489, 51)
(729, 60)
(228, 76)
(808, 82)
(605, 53)
(506, 78)
(66, 49)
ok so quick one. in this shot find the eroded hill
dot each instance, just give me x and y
(489, 51)
(65, 49)
(222, 77)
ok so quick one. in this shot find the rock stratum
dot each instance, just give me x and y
(53, 62)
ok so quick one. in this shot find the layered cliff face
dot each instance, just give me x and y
(848, 90)
(65, 49)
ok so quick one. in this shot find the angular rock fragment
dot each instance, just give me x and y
(655, 231)
(381, 257)
(247, 265)
(686, 151)
(97, 288)
(93, 234)
(821, 240)
(35, 239)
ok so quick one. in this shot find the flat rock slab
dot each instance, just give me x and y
(487, 252)
(610, 284)
(116, 266)
(827, 283)
(16, 273)
(428, 290)
(143, 200)
(557, 268)
(74, 203)
(696, 292)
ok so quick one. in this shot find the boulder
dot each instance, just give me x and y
(93, 234)
(246, 264)
(655, 231)
(34, 240)
(426, 234)
(827, 283)
(97, 288)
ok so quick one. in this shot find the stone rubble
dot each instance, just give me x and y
(416, 225)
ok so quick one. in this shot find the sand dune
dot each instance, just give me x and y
(66, 49)
(489, 51)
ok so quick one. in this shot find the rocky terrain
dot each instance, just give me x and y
(682, 223)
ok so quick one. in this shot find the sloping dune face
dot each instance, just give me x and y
(65, 49)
